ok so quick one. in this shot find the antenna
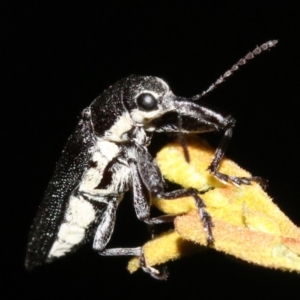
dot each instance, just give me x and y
(235, 67)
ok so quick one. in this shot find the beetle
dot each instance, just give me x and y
(107, 156)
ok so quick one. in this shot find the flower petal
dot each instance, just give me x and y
(247, 224)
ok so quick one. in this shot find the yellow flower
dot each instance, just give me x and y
(247, 224)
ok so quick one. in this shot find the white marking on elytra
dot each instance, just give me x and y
(70, 233)
(80, 212)
(105, 151)
(120, 182)
(59, 248)
(79, 215)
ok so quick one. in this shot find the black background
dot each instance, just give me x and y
(58, 58)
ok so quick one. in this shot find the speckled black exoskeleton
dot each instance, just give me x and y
(107, 156)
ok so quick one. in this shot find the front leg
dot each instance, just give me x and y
(192, 118)
(219, 154)
(147, 182)
(142, 198)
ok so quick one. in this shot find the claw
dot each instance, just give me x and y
(155, 273)
(261, 181)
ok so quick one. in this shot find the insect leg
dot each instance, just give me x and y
(106, 227)
(219, 153)
(108, 218)
(142, 199)
(143, 181)
(204, 216)
(138, 251)
(188, 121)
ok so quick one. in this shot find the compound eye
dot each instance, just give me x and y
(146, 102)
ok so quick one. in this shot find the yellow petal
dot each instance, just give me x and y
(247, 224)
(168, 246)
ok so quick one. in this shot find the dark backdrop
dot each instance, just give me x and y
(58, 58)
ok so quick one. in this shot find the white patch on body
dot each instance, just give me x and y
(105, 151)
(80, 212)
(118, 132)
(79, 215)
(71, 234)
(108, 149)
